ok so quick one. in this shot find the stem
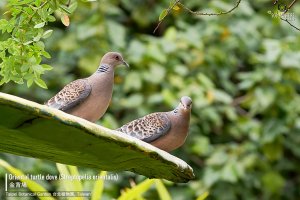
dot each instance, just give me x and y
(289, 7)
(210, 14)
(168, 12)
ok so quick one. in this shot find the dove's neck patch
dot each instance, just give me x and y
(175, 110)
(103, 68)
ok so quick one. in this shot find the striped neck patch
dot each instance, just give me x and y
(103, 68)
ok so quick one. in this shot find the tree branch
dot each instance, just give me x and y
(285, 12)
(177, 2)
(168, 12)
(287, 21)
(210, 14)
(290, 6)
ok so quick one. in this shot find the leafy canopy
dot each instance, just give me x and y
(22, 51)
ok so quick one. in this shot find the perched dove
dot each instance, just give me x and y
(89, 98)
(165, 130)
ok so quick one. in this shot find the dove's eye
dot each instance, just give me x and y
(117, 58)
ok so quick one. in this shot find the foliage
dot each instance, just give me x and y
(22, 51)
(241, 70)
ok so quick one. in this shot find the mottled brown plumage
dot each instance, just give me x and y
(165, 130)
(72, 94)
(148, 128)
(89, 98)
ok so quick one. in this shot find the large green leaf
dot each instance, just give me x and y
(34, 130)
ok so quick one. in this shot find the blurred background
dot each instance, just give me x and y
(242, 71)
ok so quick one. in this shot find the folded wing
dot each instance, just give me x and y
(148, 128)
(71, 95)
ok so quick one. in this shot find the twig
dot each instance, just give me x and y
(289, 7)
(210, 14)
(168, 12)
(290, 23)
(196, 12)
(285, 12)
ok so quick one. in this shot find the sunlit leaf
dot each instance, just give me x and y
(137, 190)
(176, 7)
(40, 25)
(77, 185)
(65, 19)
(203, 196)
(163, 14)
(162, 190)
(40, 83)
(47, 34)
(98, 187)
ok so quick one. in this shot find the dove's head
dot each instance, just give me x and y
(186, 103)
(184, 107)
(113, 59)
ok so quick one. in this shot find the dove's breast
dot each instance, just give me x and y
(96, 104)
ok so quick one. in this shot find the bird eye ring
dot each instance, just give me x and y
(117, 58)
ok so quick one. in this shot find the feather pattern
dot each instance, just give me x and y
(149, 127)
(71, 95)
(103, 68)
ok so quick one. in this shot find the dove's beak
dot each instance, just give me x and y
(125, 63)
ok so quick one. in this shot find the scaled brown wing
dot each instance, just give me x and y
(71, 95)
(148, 128)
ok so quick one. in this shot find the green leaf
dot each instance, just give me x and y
(40, 83)
(77, 185)
(40, 25)
(176, 7)
(47, 34)
(162, 191)
(203, 196)
(28, 42)
(38, 69)
(273, 181)
(47, 67)
(117, 34)
(29, 82)
(3, 24)
(163, 14)
(98, 187)
(66, 9)
(73, 6)
(24, 68)
(63, 171)
(18, 3)
(46, 54)
(273, 150)
(137, 190)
